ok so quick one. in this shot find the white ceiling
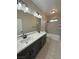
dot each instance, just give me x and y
(47, 5)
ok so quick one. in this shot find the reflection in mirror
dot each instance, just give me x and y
(26, 22)
(19, 26)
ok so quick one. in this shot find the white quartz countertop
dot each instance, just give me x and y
(24, 43)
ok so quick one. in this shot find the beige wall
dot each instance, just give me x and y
(54, 27)
(28, 21)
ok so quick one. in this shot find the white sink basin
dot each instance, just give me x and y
(26, 40)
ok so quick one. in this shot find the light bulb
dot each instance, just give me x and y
(19, 4)
(53, 12)
(26, 9)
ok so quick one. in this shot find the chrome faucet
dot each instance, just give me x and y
(23, 35)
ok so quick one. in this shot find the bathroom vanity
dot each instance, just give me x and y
(29, 47)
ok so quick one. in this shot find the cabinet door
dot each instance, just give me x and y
(25, 54)
(24, 57)
(35, 47)
(43, 40)
(29, 52)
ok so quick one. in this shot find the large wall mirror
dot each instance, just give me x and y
(25, 22)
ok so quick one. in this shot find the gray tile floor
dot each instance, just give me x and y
(52, 48)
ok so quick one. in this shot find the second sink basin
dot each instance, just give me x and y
(26, 40)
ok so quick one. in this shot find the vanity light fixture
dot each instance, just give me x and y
(22, 6)
(26, 9)
(36, 14)
(39, 16)
(19, 6)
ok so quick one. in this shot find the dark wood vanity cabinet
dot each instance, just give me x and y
(31, 51)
